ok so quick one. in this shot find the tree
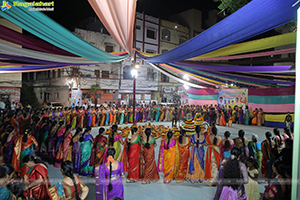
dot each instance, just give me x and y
(230, 6)
(93, 92)
(28, 96)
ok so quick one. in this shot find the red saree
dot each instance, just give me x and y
(148, 169)
(39, 191)
(266, 151)
(184, 154)
(80, 119)
(212, 162)
(133, 158)
(98, 150)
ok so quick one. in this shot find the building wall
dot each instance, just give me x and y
(11, 80)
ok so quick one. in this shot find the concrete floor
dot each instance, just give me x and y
(172, 191)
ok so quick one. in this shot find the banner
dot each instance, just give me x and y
(76, 96)
(184, 99)
(233, 97)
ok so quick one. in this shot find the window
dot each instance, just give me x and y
(75, 71)
(150, 51)
(165, 34)
(108, 91)
(164, 51)
(105, 74)
(58, 73)
(151, 34)
(109, 48)
(138, 27)
(182, 40)
(127, 72)
(150, 74)
(97, 73)
(164, 78)
(53, 73)
(57, 95)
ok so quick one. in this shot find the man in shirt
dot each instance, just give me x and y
(13, 106)
(105, 104)
(288, 120)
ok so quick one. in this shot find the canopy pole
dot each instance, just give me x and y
(295, 171)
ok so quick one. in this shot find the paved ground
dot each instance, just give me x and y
(172, 191)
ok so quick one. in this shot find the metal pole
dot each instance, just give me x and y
(295, 167)
(134, 80)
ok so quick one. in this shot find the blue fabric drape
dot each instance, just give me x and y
(255, 18)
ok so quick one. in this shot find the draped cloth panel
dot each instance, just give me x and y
(45, 28)
(255, 18)
(118, 17)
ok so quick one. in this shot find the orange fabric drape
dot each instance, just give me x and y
(184, 154)
(208, 162)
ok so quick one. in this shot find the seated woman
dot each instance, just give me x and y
(70, 187)
(233, 178)
(38, 178)
(109, 178)
(251, 188)
(277, 188)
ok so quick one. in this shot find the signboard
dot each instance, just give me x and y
(76, 96)
(14, 93)
(233, 97)
(167, 89)
(184, 99)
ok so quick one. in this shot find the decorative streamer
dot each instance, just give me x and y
(45, 28)
(118, 17)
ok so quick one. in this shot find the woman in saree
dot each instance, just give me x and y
(103, 116)
(59, 136)
(38, 178)
(241, 116)
(43, 152)
(75, 149)
(64, 147)
(251, 188)
(23, 146)
(267, 145)
(226, 146)
(68, 116)
(254, 147)
(13, 122)
(162, 115)
(126, 115)
(222, 119)
(212, 162)
(81, 114)
(254, 118)
(149, 173)
(114, 140)
(146, 113)
(74, 118)
(141, 115)
(89, 114)
(98, 116)
(111, 115)
(246, 116)
(130, 112)
(51, 143)
(195, 168)
(168, 160)
(24, 121)
(116, 115)
(234, 115)
(260, 117)
(131, 154)
(184, 154)
(171, 114)
(277, 189)
(94, 114)
(70, 187)
(109, 178)
(122, 111)
(158, 111)
(86, 144)
(99, 147)
(107, 114)
(8, 143)
(241, 142)
(233, 176)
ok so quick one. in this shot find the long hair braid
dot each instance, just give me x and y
(198, 130)
(148, 133)
(67, 167)
(133, 130)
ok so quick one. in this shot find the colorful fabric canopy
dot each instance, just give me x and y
(118, 17)
(45, 28)
(253, 19)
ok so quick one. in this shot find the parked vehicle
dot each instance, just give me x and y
(53, 105)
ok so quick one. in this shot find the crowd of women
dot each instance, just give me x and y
(202, 157)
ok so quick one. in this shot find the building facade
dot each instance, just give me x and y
(10, 84)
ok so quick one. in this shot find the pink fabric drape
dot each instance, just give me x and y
(118, 17)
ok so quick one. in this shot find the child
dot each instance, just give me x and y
(274, 157)
(251, 188)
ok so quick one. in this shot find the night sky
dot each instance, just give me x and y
(70, 12)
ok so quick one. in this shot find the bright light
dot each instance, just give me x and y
(176, 26)
(137, 66)
(186, 77)
(186, 87)
(134, 73)
(70, 83)
(231, 84)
